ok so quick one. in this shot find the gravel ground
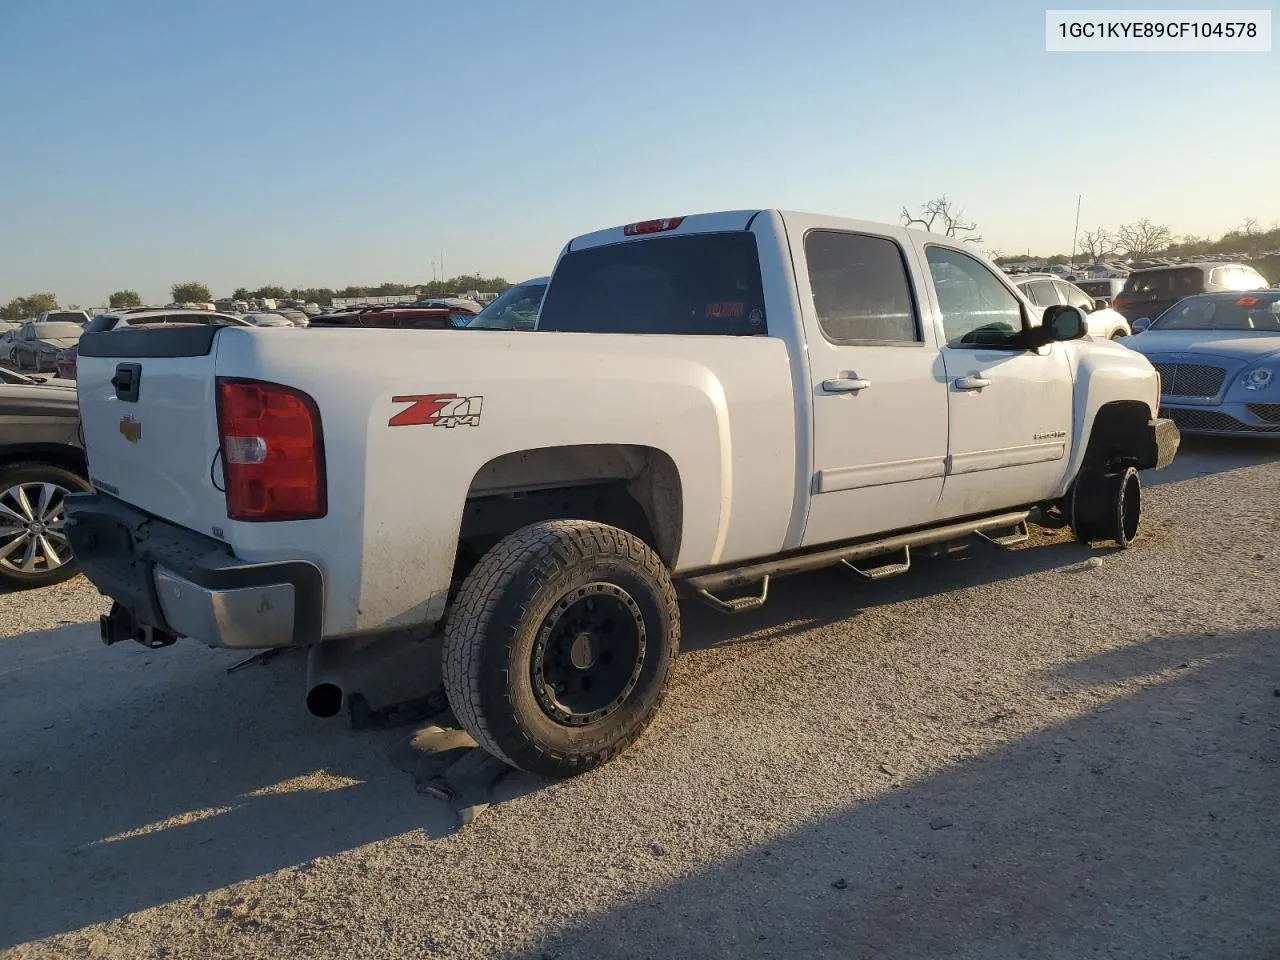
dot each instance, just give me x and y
(1052, 752)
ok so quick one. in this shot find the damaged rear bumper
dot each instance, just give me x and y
(169, 582)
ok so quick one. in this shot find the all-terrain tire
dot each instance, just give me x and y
(502, 617)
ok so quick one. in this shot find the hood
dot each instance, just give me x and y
(35, 400)
(1224, 344)
(59, 342)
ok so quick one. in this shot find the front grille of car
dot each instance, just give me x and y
(1269, 412)
(1215, 420)
(1190, 379)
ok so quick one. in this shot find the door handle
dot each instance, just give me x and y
(972, 383)
(844, 385)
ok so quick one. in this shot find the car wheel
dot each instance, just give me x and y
(1107, 506)
(559, 647)
(34, 549)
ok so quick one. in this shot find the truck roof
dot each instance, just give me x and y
(720, 222)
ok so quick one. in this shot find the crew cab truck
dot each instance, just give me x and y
(706, 402)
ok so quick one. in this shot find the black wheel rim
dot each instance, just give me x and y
(588, 654)
(1130, 507)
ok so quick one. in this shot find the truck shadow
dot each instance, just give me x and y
(135, 777)
(1145, 828)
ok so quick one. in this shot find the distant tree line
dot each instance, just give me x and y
(324, 295)
(1143, 238)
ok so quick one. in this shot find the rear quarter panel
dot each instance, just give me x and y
(720, 407)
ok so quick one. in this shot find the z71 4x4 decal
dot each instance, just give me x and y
(438, 410)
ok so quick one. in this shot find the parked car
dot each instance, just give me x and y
(408, 318)
(63, 316)
(1218, 355)
(1102, 291)
(1149, 292)
(297, 317)
(1045, 291)
(36, 344)
(267, 319)
(41, 461)
(65, 362)
(716, 399)
(516, 308)
(461, 309)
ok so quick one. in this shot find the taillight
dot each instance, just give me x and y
(272, 451)
(651, 226)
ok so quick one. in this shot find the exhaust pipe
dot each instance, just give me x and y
(337, 669)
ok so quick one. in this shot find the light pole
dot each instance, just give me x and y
(1075, 233)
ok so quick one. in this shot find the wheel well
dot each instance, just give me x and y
(632, 487)
(1121, 436)
(60, 455)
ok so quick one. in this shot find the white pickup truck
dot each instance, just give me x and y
(707, 402)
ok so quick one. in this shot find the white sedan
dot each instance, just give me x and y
(1044, 290)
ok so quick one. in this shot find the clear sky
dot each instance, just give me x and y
(336, 142)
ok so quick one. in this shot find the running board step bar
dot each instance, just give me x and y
(737, 604)
(882, 571)
(1019, 533)
(707, 585)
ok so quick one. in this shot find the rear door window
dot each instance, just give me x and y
(1042, 293)
(860, 288)
(702, 283)
(1073, 295)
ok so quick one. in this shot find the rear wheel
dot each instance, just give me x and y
(34, 549)
(1107, 506)
(560, 644)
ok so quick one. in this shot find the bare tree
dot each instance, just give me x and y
(941, 216)
(1250, 226)
(1143, 238)
(1097, 244)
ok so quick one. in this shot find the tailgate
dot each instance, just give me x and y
(150, 422)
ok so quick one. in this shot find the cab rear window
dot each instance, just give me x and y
(704, 283)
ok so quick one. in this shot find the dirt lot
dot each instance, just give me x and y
(1052, 752)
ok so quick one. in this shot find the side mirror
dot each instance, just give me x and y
(1060, 322)
(1141, 324)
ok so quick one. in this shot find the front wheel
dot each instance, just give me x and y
(34, 549)
(560, 644)
(1107, 506)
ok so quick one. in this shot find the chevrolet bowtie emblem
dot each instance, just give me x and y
(130, 429)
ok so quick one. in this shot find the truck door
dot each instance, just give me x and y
(878, 386)
(1010, 408)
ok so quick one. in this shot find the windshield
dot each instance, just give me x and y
(516, 308)
(1249, 313)
(65, 316)
(58, 331)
